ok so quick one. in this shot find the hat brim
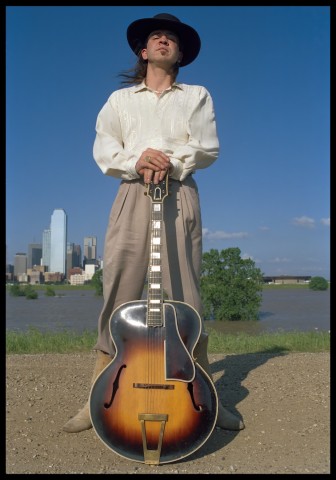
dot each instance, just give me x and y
(139, 31)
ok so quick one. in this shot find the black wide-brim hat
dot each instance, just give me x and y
(139, 31)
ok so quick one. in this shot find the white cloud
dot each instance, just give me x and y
(246, 256)
(304, 221)
(221, 235)
(280, 260)
(325, 222)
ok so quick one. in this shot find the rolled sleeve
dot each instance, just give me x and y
(202, 148)
(108, 148)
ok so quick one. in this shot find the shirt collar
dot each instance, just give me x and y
(142, 87)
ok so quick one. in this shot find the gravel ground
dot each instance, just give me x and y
(283, 398)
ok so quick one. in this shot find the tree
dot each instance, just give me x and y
(318, 283)
(230, 286)
(97, 282)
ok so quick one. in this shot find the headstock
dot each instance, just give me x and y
(158, 192)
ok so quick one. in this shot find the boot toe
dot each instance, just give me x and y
(75, 426)
(227, 420)
(79, 422)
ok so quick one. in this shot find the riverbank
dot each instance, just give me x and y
(284, 400)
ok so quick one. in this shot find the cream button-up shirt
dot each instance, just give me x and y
(181, 123)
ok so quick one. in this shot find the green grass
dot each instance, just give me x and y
(269, 342)
(37, 342)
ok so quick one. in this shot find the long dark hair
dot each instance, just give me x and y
(135, 75)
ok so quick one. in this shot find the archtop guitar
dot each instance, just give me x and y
(153, 403)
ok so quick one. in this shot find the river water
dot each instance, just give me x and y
(281, 310)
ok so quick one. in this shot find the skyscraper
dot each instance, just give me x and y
(90, 248)
(77, 259)
(58, 241)
(34, 254)
(46, 248)
(73, 257)
(20, 264)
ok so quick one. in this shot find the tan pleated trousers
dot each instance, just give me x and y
(126, 250)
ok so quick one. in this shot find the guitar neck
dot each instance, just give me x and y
(157, 193)
(155, 289)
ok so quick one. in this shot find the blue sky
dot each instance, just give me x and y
(268, 71)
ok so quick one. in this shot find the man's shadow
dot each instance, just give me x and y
(230, 392)
(229, 386)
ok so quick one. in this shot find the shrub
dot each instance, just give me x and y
(16, 291)
(30, 293)
(49, 291)
(318, 283)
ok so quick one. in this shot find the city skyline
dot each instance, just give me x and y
(268, 71)
(90, 242)
(10, 261)
(89, 245)
(56, 258)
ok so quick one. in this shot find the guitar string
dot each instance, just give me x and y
(156, 317)
(158, 280)
(150, 328)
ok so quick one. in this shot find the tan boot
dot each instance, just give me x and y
(82, 420)
(225, 419)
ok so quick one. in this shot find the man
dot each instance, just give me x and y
(144, 131)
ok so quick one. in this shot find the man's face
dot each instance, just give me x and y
(162, 45)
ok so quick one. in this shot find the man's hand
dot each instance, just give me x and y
(153, 165)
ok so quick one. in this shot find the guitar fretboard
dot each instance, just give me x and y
(154, 277)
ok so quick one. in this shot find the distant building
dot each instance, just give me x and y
(9, 272)
(81, 278)
(73, 257)
(53, 277)
(90, 270)
(77, 256)
(58, 241)
(22, 278)
(34, 254)
(90, 249)
(77, 279)
(20, 264)
(40, 268)
(46, 247)
(35, 276)
(286, 279)
(74, 271)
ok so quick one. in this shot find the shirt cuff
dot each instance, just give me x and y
(177, 169)
(131, 171)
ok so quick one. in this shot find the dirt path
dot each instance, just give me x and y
(283, 399)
